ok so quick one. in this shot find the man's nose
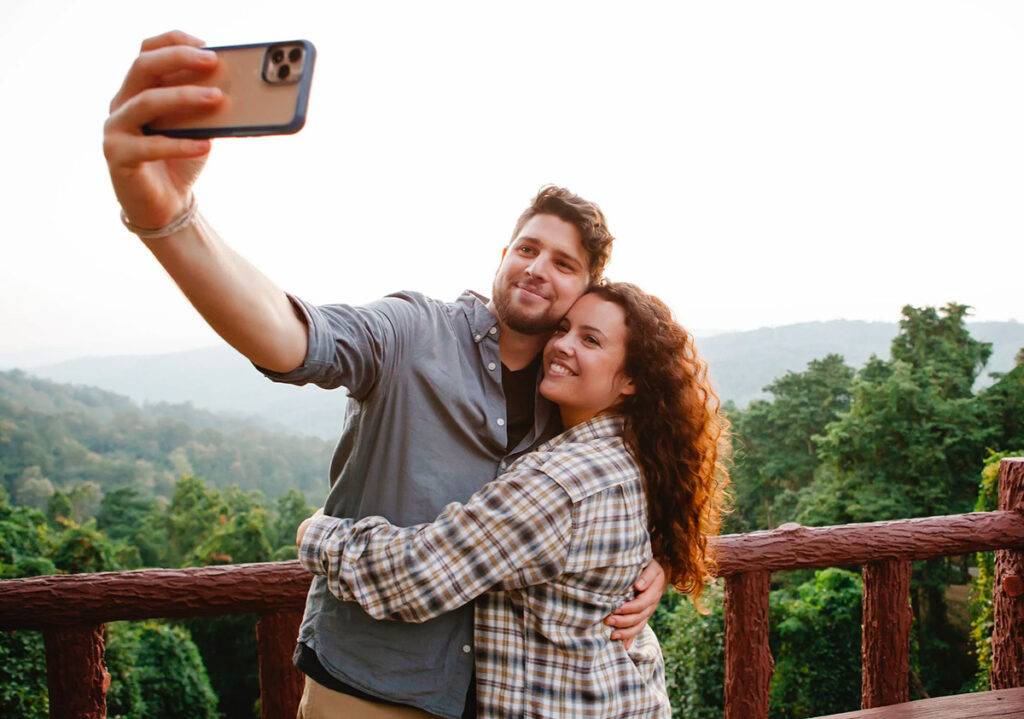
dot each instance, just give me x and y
(538, 267)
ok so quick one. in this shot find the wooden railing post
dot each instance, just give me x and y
(76, 676)
(280, 682)
(885, 633)
(1008, 592)
(748, 658)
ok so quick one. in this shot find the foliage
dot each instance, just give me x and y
(694, 649)
(156, 673)
(816, 642)
(84, 549)
(981, 595)
(69, 435)
(23, 675)
(776, 453)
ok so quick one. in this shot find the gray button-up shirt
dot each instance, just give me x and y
(425, 426)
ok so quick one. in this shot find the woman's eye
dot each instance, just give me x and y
(560, 331)
(590, 339)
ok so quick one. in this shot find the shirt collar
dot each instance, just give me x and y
(482, 323)
(603, 425)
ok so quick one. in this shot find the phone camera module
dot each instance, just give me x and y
(283, 72)
(277, 56)
(295, 54)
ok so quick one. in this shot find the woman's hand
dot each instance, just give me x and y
(152, 174)
(631, 618)
(301, 531)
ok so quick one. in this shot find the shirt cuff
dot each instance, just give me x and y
(318, 347)
(313, 554)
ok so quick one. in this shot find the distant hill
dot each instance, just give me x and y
(742, 363)
(67, 434)
(215, 378)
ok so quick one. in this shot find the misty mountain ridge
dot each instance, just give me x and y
(741, 365)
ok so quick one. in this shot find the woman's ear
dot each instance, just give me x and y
(626, 386)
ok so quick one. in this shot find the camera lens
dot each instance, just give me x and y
(277, 56)
(295, 54)
(282, 72)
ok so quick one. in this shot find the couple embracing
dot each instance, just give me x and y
(517, 480)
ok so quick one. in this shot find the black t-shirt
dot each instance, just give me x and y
(519, 388)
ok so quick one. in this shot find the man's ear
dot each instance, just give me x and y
(504, 251)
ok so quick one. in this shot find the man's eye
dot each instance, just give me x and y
(525, 248)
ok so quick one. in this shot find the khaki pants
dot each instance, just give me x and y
(319, 702)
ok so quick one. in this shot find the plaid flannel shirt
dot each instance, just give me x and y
(553, 546)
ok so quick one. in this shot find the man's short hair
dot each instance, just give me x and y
(585, 216)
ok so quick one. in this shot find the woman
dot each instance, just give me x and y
(553, 545)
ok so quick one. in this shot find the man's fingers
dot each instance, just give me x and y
(156, 102)
(151, 69)
(173, 37)
(624, 633)
(650, 573)
(133, 150)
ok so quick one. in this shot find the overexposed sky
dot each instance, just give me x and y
(761, 163)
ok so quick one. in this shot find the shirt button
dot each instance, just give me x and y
(466, 648)
(491, 366)
(494, 330)
(476, 337)
(501, 422)
(503, 465)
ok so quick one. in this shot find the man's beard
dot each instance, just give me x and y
(518, 322)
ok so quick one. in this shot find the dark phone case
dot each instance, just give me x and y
(251, 105)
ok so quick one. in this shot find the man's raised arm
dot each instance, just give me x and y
(153, 176)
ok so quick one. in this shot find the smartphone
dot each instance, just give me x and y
(266, 90)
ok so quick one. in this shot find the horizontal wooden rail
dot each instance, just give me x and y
(82, 599)
(72, 600)
(793, 546)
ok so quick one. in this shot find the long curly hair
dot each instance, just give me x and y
(676, 433)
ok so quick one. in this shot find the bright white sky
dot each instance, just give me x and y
(761, 163)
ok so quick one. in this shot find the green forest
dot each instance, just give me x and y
(91, 482)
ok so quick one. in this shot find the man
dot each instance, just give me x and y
(443, 394)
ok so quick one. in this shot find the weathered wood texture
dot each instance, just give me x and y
(885, 633)
(792, 546)
(748, 659)
(1004, 704)
(1007, 596)
(76, 676)
(71, 600)
(280, 682)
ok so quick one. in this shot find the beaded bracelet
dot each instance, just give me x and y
(186, 218)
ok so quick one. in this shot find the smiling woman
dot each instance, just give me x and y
(553, 545)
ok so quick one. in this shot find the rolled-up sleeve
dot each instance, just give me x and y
(350, 346)
(515, 531)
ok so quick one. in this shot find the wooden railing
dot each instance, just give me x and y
(71, 610)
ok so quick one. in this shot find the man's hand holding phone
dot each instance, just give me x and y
(153, 174)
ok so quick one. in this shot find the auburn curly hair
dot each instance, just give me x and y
(676, 433)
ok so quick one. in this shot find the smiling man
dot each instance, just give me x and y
(443, 394)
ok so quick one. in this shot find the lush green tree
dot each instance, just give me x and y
(156, 673)
(1002, 403)
(193, 515)
(23, 676)
(816, 643)
(693, 645)
(775, 450)
(85, 549)
(136, 521)
(291, 510)
(58, 508)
